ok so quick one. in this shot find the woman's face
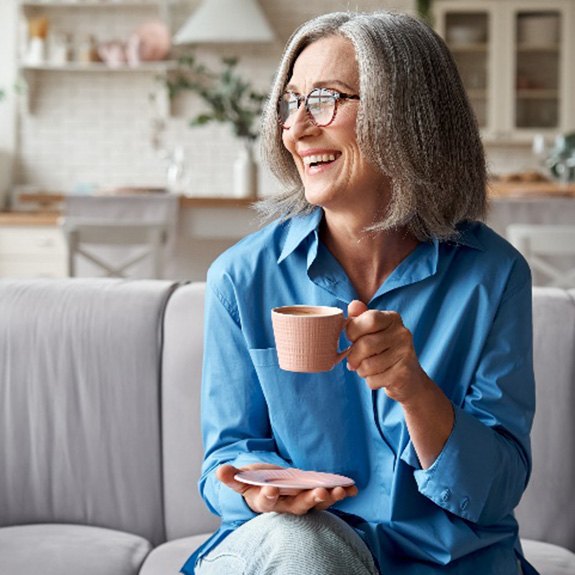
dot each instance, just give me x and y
(339, 182)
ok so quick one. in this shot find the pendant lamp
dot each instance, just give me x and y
(226, 21)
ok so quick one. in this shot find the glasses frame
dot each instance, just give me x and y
(337, 95)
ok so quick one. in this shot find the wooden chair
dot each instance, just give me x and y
(547, 248)
(136, 242)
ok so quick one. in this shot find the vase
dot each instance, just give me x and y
(245, 173)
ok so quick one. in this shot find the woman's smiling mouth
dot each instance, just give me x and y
(316, 162)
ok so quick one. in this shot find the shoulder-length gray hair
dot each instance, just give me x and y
(414, 123)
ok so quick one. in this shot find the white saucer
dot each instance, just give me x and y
(294, 480)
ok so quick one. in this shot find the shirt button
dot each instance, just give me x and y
(464, 503)
(445, 495)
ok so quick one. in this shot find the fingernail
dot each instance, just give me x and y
(318, 499)
(270, 497)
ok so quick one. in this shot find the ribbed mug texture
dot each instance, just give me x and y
(307, 337)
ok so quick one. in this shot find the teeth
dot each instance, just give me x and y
(319, 158)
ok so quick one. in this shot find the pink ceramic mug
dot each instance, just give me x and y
(307, 337)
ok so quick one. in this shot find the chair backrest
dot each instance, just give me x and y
(115, 248)
(546, 509)
(549, 250)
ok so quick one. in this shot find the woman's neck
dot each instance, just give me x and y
(368, 258)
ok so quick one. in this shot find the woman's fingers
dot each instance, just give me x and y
(269, 498)
(226, 473)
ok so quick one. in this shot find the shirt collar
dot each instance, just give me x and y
(468, 235)
(299, 228)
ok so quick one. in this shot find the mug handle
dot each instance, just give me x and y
(341, 354)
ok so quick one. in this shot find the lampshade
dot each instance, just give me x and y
(225, 21)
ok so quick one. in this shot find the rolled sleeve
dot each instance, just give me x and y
(461, 478)
(483, 468)
(227, 503)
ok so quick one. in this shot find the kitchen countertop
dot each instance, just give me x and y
(510, 190)
(29, 218)
(53, 199)
(48, 203)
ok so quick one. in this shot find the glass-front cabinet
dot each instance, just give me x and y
(515, 59)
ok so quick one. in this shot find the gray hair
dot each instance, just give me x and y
(414, 123)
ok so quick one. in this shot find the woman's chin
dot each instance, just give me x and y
(319, 197)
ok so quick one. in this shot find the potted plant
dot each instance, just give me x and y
(424, 10)
(229, 99)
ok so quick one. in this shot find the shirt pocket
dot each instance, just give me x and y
(302, 409)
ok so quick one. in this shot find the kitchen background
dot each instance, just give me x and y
(76, 130)
(68, 125)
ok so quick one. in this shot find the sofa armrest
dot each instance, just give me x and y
(185, 512)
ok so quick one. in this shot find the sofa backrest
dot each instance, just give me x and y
(546, 509)
(79, 403)
(185, 512)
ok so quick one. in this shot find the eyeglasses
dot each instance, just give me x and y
(320, 105)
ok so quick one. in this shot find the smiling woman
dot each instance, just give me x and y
(369, 130)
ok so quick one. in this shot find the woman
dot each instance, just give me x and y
(369, 129)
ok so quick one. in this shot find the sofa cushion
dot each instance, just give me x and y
(79, 403)
(169, 557)
(549, 559)
(543, 511)
(56, 549)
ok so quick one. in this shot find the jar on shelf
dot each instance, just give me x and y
(87, 50)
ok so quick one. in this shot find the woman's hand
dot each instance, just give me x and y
(383, 354)
(268, 498)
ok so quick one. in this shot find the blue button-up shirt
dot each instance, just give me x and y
(468, 305)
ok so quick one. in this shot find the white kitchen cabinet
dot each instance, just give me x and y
(516, 61)
(32, 251)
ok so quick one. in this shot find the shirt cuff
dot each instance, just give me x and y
(231, 506)
(460, 478)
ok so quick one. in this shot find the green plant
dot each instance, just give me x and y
(424, 10)
(229, 98)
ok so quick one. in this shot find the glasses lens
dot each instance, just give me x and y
(287, 107)
(321, 105)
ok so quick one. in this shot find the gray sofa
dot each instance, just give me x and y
(99, 438)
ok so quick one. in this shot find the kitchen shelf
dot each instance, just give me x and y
(468, 48)
(33, 74)
(92, 4)
(160, 66)
(534, 94)
(527, 48)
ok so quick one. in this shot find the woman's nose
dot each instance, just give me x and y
(301, 123)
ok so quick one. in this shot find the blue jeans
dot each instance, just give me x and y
(318, 543)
